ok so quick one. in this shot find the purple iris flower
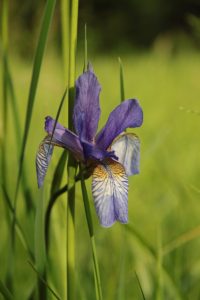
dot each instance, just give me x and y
(113, 154)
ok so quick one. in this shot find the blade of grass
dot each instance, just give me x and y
(140, 286)
(58, 174)
(121, 80)
(65, 15)
(121, 287)
(4, 37)
(13, 100)
(5, 292)
(122, 276)
(58, 114)
(92, 239)
(40, 251)
(168, 280)
(43, 281)
(159, 266)
(182, 239)
(19, 229)
(85, 50)
(71, 166)
(48, 13)
(52, 201)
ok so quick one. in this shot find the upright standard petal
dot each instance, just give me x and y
(64, 138)
(86, 109)
(110, 192)
(127, 149)
(43, 158)
(127, 114)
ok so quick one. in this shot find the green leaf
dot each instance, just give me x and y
(150, 250)
(92, 239)
(40, 252)
(19, 229)
(4, 40)
(48, 13)
(26, 189)
(121, 80)
(43, 281)
(85, 51)
(65, 14)
(71, 165)
(5, 292)
(57, 178)
(140, 286)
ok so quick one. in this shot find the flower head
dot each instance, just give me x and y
(113, 154)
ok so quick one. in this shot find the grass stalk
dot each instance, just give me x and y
(4, 38)
(48, 13)
(43, 281)
(65, 14)
(17, 129)
(92, 239)
(85, 50)
(72, 166)
(40, 251)
(121, 80)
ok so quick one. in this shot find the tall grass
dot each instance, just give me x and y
(136, 261)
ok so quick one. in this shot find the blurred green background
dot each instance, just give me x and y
(159, 44)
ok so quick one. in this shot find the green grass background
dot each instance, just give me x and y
(163, 198)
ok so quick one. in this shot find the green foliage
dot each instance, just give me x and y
(155, 256)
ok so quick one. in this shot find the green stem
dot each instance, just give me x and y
(4, 34)
(121, 80)
(72, 166)
(86, 50)
(92, 239)
(65, 6)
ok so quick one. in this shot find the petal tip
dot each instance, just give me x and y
(107, 225)
(48, 124)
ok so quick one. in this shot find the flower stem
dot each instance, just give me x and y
(92, 240)
(121, 80)
(65, 6)
(72, 166)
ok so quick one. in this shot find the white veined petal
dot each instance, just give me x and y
(110, 192)
(43, 158)
(127, 149)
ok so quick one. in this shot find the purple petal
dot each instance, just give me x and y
(86, 108)
(43, 158)
(64, 138)
(127, 114)
(110, 192)
(91, 151)
(127, 149)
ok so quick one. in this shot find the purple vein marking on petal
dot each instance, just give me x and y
(86, 109)
(127, 114)
(127, 148)
(64, 137)
(110, 192)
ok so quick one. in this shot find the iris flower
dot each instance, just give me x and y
(111, 155)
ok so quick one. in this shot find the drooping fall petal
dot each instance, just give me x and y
(43, 158)
(127, 149)
(110, 192)
(64, 137)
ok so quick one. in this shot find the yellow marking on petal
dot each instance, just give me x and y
(110, 192)
(108, 168)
